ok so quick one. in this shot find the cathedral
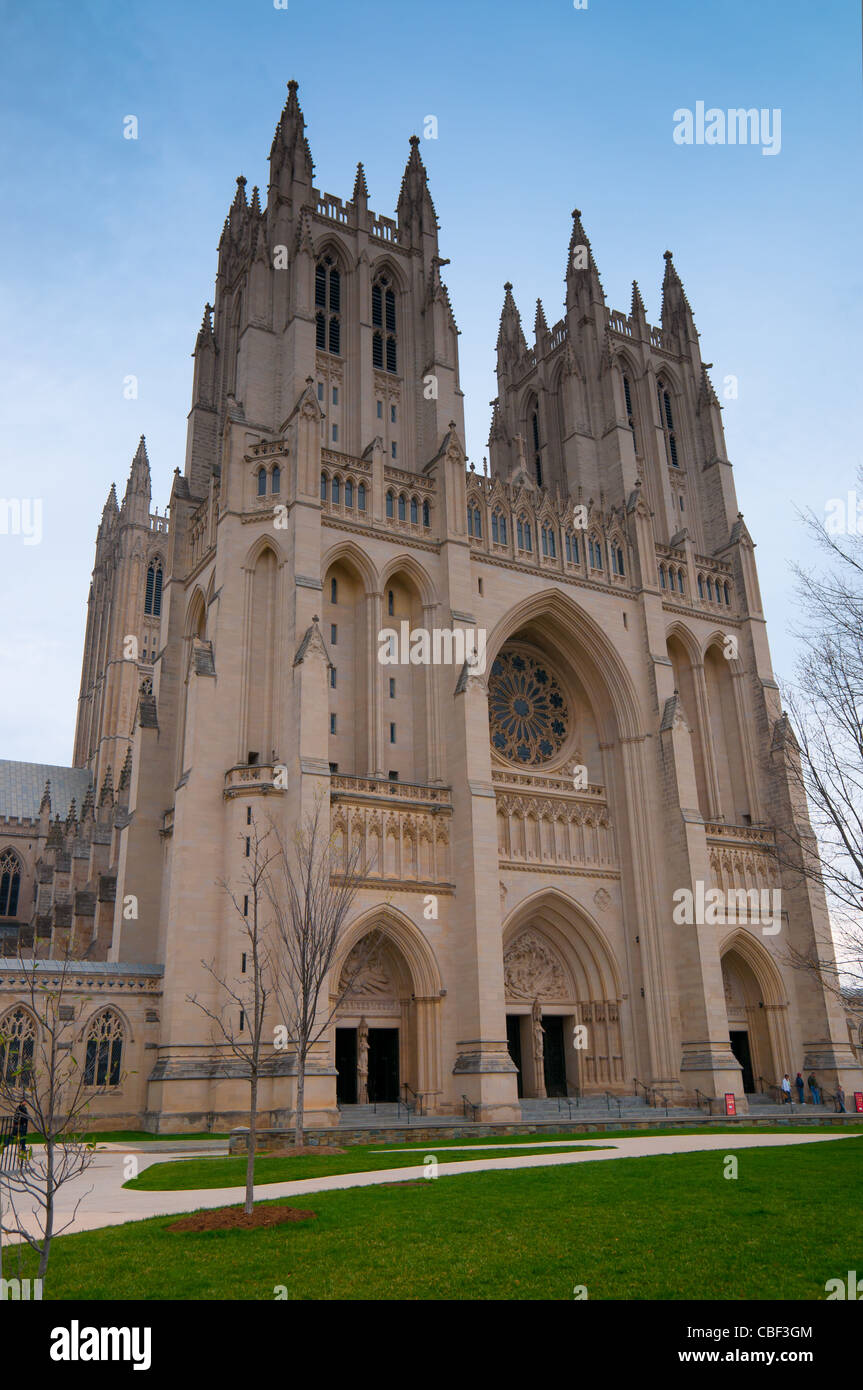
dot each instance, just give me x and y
(596, 733)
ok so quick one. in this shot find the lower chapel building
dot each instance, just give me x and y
(524, 822)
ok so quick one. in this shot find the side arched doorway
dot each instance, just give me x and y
(756, 1010)
(386, 1040)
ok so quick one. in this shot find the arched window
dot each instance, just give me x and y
(153, 591)
(323, 487)
(390, 506)
(474, 523)
(617, 559)
(403, 507)
(680, 581)
(104, 1053)
(525, 541)
(335, 490)
(384, 344)
(549, 548)
(537, 454)
(709, 589)
(361, 497)
(727, 596)
(10, 883)
(334, 591)
(571, 541)
(498, 528)
(630, 417)
(426, 514)
(328, 296)
(700, 587)
(349, 493)
(391, 604)
(262, 482)
(595, 552)
(415, 511)
(17, 1042)
(276, 484)
(667, 419)
(663, 583)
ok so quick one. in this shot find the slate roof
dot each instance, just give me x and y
(22, 785)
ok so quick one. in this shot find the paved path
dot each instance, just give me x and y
(105, 1202)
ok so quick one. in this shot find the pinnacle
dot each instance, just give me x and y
(360, 187)
(637, 306)
(540, 325)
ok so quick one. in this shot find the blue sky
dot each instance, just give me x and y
(109, 245)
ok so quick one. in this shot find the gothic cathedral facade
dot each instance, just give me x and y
(526, 822)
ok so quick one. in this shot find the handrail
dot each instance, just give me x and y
(466, 1102)
(709, 1099)
(664, 1100)
(609, 1097)
(417, 1098)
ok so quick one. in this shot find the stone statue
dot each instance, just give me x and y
(363, 1063)
(538, 1048)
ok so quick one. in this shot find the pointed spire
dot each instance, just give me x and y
(72, 816)
(290, 148)
(106, 795)
(511, 342)
(582, 275)
(304, 243)
(239, 202)
(540, 327)
(111, 504)
(360, 187)
(415, 209)
(636, 309)
(256, 201)
(139, 476)
(706, 393)
(126, 773)
(45, 803)
(89, 803)
(676, 312)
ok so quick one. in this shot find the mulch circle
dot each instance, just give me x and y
(235, 1218)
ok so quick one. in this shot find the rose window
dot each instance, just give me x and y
(527, 709)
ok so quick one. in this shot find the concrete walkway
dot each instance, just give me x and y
(103, 1201)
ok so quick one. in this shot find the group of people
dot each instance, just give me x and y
(815, 1089)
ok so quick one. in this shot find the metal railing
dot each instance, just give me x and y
(609, 1097)
(468, 1106)
(700, 1096)
(417, 1101)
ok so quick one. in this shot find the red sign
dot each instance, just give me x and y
(730, 1105)
(858, 1102)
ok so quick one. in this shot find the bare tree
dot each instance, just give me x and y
(311, 892)
(824, 755)
(40, 1069)
(239, 1021)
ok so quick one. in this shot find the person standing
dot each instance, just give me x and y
(813, 1086)
(786, 1089)
(840, 1099)
(800, 1084)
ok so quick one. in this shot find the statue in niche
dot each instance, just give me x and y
(538, 1047)
(363, 1063)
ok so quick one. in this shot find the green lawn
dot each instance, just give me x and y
(206, 1172)
(643, 1228)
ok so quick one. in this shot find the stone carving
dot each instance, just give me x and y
(531, 970)
(367, 972)
(538, 1048)
(602, 899)
(363, 1063)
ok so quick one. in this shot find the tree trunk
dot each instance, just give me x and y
(49, 1207)
(300, 1098)
(253, 1141)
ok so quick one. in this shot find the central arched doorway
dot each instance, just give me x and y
(563, 1001)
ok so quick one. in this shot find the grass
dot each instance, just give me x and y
(670, 1227)
(205, 1172)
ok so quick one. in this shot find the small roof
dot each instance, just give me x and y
(22, 785)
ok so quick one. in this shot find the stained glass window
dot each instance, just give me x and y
(528, 714)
